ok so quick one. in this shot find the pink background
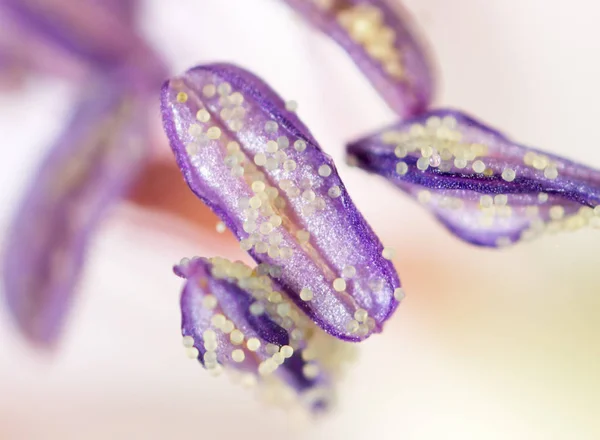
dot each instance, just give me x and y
(488, 344)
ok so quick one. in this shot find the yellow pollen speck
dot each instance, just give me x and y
(310, 371)
(289, 165)
(271, 126)
(221, 227)
(209, 302)
(306, 294)
(509, 174)
(209, 90)
(272, 147)
(291, 106)
(287, 351)
(188, 341)
(275, 220)
(352, 326)
(224, 89)
(209, 335)
(339, 284)
(238, 355)
(334, 192)
(542, 197)
(236, 337)
(258, 186)
(202, 115)
(423, 163)
(361, 315)
(227, 327)
(324, 170)
(213, 133)
(551, 173)
(272, 349)
(260, 159)
(478, 166)
(303, 236)
(501, 199)
(182, 97)
(308, 195)
(401, 168)
(460, 163)
(210, 344)
(486, 201)
(349, 272)
(388, 253)
(300, 145)
(192, 353)
(255, 202)
(399, 294)
(253, 344)
(218, 320)
(257, 308)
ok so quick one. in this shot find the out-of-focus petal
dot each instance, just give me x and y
(260, 169)
(89, 167)
(485, 188)
(379, 38)
(234, 318)
(21, 52)
(98, 32)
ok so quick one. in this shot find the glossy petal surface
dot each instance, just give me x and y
(260, 169)
(379, 38)
(89, 167)
(235, 319)
(485, 188)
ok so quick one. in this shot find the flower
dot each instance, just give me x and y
(92, 164)
(482, 186)
(236, 318)
(380, 39)
(259, 168)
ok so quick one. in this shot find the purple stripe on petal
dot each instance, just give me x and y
(485, 188)
(379, 39)
(233, 318)
(89, 168)
(259, 168)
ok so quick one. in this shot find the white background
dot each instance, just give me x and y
(488, 345)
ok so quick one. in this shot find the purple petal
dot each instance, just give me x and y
(259, 168)
(485, 188)
(21, 53)
(233, 318)
(89, 168)
(381, 42)
(100, 33)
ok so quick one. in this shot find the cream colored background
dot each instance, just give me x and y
(488, 345)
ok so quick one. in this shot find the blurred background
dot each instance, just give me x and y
(487, 345)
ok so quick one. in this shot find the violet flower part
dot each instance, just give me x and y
(379, 38)
(485, 188)
(88, 169)
(260, 169)
(22, 52)
(100, 33)
(235, 319)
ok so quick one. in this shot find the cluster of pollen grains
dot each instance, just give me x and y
(436, 144)
(231, 111)
(261, 360)
(365, 25)
(541, 163)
